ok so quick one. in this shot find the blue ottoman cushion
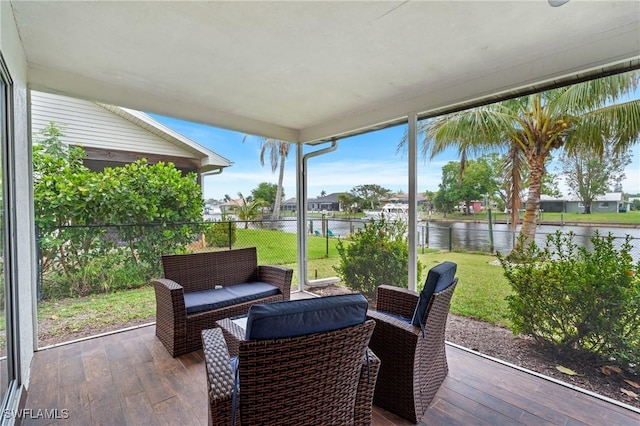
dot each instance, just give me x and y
(302, 317)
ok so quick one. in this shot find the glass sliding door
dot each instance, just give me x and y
(7, 354)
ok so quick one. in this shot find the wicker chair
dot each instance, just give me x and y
(409, 340)
(178, 330)
(322, 378)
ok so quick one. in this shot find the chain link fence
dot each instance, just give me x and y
(82, 260)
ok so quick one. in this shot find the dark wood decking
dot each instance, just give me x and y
(128, 378)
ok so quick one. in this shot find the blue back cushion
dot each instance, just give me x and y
(439, 278)
(302, 317)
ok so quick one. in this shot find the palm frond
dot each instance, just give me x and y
(581, 98)
(618, 124)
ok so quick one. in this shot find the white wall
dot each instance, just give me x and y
(88, 124)
(25, 244)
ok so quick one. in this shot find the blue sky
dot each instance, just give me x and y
(370, 158)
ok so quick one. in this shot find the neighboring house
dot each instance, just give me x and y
(610, 202)
(230, 206)
(328, 202)
(113, 136)
(289, 205)
(401, 197)
(552, 204)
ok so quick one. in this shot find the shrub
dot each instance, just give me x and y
(154, 207)
(98, 275)
(221, 234)
(577, 298)
(377, 254)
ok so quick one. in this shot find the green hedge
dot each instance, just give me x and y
(572, 297)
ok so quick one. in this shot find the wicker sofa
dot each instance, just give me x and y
(199, 289)
(304, 362)
(409, 340)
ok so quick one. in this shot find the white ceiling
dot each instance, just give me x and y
(306, 71)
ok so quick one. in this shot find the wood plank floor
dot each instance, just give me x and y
(128, 378)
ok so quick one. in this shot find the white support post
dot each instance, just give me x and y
(301, 203)
(413, 204)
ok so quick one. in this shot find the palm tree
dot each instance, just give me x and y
(278, 152)
(249, 210)
(529, 128)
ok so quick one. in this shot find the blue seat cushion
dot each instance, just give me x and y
(439, 278)
(301, 317)
(208, 300)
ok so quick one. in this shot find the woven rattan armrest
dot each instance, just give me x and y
(278, 276)
(400, 328)
(170, 294)
(220, 376)
(397, 301)
(167, 284)
(232, 333)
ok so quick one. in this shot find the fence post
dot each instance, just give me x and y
(450, 238)
(326, 249)
(426, 234)
(490, 232)
(230, 235)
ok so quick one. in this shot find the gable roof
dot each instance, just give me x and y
(112, 128)
(329, 198)
(609, 196)
(209, 159)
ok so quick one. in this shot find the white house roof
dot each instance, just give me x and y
(306, 71)
(209, 160)
(609, 196)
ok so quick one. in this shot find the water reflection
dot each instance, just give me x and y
(467, 236)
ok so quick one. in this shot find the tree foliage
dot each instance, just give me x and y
(347, 201)
(221, 234)
(266, 192)
(588, 176)
(475, 182)
(447, 196)
(370, 195)
(278, 152)
(123, 218)
(250, 209)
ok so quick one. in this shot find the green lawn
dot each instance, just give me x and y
(480, 294)
(280, 247)
(481, 288)
(97, 311)
(631, 217)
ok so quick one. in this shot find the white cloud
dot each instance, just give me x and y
(329, 176)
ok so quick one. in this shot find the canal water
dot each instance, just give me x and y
(472, 236)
